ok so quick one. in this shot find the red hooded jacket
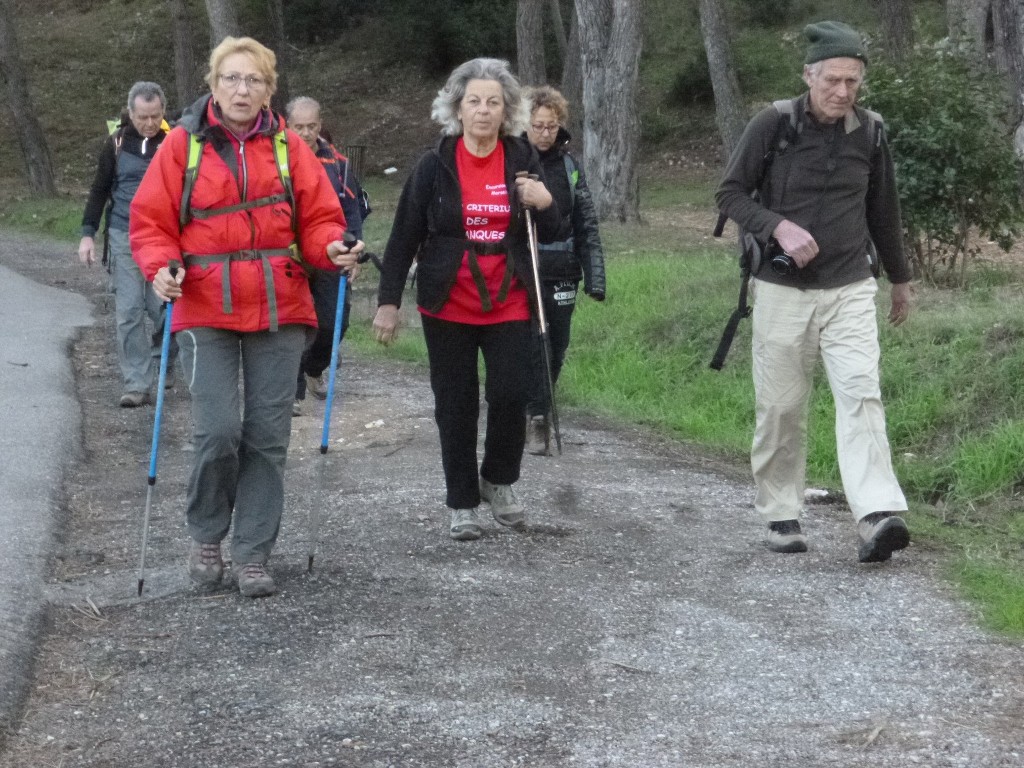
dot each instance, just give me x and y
(231, 172)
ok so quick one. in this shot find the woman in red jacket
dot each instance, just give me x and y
(226, 250)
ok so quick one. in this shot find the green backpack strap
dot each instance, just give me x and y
(285, 174)
(573, 174)
(195, 154)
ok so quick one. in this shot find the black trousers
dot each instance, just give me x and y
(559, 299)
(317, 357)
(454, 350)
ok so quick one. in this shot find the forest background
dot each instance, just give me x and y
(944, 74)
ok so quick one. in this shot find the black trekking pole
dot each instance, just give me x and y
(151, 480)
(339, 312)
(531, 236)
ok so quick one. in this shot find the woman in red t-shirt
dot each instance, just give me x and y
(462, 214)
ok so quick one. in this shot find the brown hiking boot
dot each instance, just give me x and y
(538, 436)
(254, 581)
(205, 565)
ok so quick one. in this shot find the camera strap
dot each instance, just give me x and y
(751, 251)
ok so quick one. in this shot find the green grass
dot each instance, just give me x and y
(59, 217)
(997, 590)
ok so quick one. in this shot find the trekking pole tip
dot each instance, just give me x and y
(141, 582)
(309, 565)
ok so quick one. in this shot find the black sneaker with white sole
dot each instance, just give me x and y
(881, 534)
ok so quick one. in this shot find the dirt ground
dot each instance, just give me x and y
(639, 621)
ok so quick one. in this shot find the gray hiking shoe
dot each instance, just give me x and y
(254, 581)
(133, 399)
(881, 534)
(785, 536)
(317, 385)
(538, 436)
(504, 505)
(465, 526)
(205, 566)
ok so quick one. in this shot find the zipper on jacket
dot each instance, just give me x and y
(244, 168)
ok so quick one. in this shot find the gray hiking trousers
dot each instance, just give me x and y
(240, 448)
(138, 351)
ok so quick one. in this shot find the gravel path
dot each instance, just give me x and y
(638, 622)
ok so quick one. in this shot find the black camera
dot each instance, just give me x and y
(781, 262)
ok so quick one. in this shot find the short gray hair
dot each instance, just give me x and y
(814, 69)
(445, 109)
(300, 101)
(146, 91)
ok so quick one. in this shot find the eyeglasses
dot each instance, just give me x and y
(538, 128)
(252, 82)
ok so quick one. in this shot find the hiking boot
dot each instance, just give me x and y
(785, 536)
(317, 385)
(464, 525)
(134, 399)
(297, 408)
(881, 534)
(538, 436)
(504, 505)
(254, 581)
(205, 565)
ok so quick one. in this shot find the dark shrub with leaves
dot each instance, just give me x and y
(442, 34)
(949, 131)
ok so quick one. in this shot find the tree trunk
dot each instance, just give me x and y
(610, 43)
(1008, 28)
(968, 22)
(572, 80)
(283, 53)
(530, 42)
(559, 26)
(730, 112)
(897, 29)
(30, 133)
(223, 17)
(186, 76)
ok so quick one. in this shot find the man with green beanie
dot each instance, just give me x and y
(812, 179)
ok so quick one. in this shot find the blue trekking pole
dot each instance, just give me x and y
(151, 480)
(339, 312)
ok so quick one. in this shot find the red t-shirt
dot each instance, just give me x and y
(486, 214)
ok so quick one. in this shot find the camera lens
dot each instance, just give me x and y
(783, 264)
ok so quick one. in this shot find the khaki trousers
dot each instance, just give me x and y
(792, 327)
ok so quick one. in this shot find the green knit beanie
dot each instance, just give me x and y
(833, 39)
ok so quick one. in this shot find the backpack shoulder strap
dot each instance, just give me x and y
(284, 172)
(876, 127)
(572, 172)
(195, 154)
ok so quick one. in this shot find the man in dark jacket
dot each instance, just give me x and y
(828, 196)
(123, 162)
(303, 116)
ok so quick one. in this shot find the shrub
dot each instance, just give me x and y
(948, 128)
(443, 34)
